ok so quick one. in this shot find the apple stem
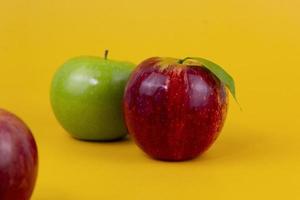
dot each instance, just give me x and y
(105, 54)
(180, 61)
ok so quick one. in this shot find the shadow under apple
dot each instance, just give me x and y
(236, 146)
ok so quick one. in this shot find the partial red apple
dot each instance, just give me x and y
(18, 158)
(175, 109)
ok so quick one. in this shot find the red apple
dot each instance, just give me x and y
(18, 158)
(174, 109)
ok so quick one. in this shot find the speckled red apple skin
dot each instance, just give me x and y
(18, 158)
(174, 112)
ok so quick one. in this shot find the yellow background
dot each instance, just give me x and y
(257, 41)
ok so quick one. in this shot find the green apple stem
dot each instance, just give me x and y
(105, 54)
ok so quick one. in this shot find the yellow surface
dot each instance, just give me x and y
(257, 154)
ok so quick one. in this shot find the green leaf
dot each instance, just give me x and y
(219, 72)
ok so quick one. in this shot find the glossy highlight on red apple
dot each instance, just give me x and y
(18, 158)
(174, 110)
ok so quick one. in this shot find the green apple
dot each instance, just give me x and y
(86, 97)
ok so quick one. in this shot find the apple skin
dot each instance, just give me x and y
(174, 111)
(86, 97)
(18, 158)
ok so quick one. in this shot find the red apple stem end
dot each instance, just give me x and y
(181, 61)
